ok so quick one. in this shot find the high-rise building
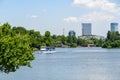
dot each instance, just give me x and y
(86, 29)
(72, 33)
(114, 27)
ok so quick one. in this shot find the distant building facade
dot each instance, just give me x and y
(72, 33)
(114, 27)
(86, 29)
(91, 37)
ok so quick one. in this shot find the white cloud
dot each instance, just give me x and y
(71, 19)
(94, 16)
(107, 11)
(105, 5)
(34, 16)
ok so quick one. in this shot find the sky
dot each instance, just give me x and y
(58, 16)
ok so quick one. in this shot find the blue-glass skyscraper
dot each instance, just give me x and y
(114, 27)
(86, 29)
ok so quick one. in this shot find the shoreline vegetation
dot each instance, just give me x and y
(37, 40)
(17, 45)
(112, 40)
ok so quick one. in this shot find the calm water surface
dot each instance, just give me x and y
(71, 64)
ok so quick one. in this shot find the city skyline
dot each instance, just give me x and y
(56, 15)
(87, 29)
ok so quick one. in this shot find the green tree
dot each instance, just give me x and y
(72, 41)
(19, 30)
(15, 50)
(6, 29)
(63, 40)
(112, 41)
(48, 39)
(109, 35)
(35, 38)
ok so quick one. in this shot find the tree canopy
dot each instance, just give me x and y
(15, 50)
(113, 40)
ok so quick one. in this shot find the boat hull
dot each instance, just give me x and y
(47, 52)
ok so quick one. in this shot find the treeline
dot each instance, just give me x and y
(113, 40)
(37, 40)
(73, 41)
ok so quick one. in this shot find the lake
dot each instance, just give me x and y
(71, 64)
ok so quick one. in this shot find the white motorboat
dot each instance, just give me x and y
(45, 49)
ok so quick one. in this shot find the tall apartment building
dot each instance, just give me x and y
(114, 27)
(86, 29)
